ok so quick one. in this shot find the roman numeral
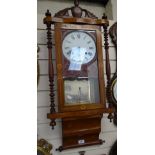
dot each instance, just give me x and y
(91, 48)
(68, 41)
(69, 52)
(88, 42)
(72, 37)
(84, 37)
(89, 53)
(78, 35)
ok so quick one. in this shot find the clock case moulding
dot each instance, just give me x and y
(81, 125)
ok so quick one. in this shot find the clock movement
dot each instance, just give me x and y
(80, 75)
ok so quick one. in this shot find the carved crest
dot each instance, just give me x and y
(113, 33)
(75, 11)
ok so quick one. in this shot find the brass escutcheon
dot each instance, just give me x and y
(82, 107)
(59, 66)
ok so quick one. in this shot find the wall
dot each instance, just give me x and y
(108, 132)
(111, 10)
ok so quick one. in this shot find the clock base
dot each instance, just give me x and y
(61, 148)
(79, 132)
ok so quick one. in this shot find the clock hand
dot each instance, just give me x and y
(69, 52)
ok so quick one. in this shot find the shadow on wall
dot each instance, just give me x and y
(103, 2)
(113, 150)
(109, 10)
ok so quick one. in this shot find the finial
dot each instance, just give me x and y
(48, 13)
(104, 16)
(76, 2)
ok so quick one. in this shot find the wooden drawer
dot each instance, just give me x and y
(81, 126)
(79, 132)
(83, 140)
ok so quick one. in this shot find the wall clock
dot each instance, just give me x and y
(112, 84)
(80, 75)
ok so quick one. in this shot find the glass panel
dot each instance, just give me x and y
(80, 68)
(81, 91)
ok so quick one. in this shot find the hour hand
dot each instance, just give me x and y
(69, 52)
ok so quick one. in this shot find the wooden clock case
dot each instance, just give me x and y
(81, 124)
(62, 72)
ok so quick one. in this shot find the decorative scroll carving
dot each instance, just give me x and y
(76, 11)
(62, 13)
(113, 34)
(89, 14)
(50, 66)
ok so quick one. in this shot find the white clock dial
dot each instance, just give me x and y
(79, 47)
